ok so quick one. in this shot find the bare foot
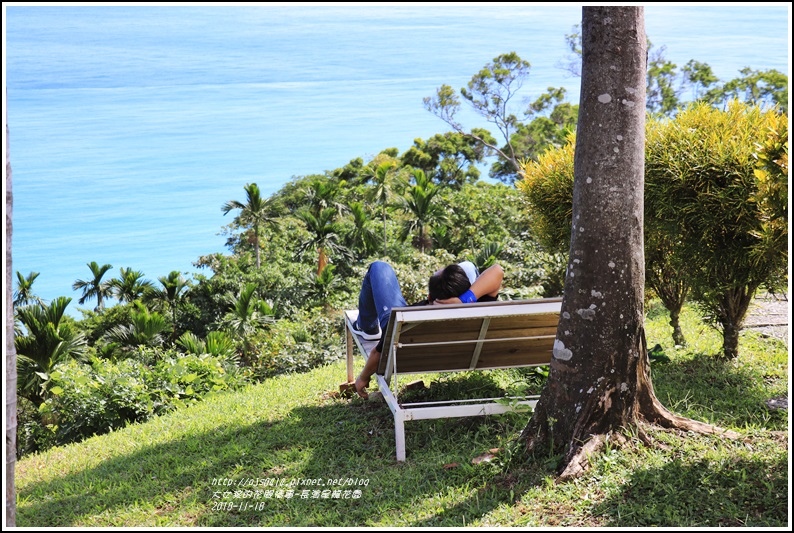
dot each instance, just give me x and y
(361, 385)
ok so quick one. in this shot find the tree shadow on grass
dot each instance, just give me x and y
(201, 479)
(161, 476)
(706, 388)
(739, 493)
(351, 441)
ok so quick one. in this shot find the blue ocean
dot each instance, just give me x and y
(131, 125)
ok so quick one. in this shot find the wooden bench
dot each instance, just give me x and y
(454, 338)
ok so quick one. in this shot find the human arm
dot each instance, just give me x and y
(488, 284)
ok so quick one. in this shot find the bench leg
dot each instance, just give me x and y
(399, 436)
(349, 339)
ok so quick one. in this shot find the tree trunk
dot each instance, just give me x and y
(255, 241)
(672, 290)
(11, 356)
(732, 312)
(385, 242)
(322, 260)
(730, 340)
(599, 380)
(675, 322)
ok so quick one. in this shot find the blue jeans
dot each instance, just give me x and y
(380, 291)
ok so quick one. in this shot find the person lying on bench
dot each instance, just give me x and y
(380, 292)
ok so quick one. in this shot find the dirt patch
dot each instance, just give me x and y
(769, 314)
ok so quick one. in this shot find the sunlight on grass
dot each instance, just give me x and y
(266, 456)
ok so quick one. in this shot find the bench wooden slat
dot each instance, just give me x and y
(497, 354)
(496, 330)
(453, 323)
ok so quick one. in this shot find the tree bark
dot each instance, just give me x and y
(253, 238)
(322, 260)
(599, 380)
(732, 311)
(675, 322)
(11, 355)
(672, 290)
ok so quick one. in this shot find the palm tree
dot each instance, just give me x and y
(322, 193)
(381, 193)
(363, 236)
(322, 285)
(24, 294)
(487, 255)
(217, 343)
(130, 285)
(423, 211)
(95, 287)
(324, 234)
(254, 213)
(247, 313)
(145, 329)
(44, 342)
(174, 288)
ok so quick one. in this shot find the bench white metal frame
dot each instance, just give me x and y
(455, 338)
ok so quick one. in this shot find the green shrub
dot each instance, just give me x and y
(482, 213)
(179, 379)
(716, 187)
(88, 400)
(548, 187)
(32, 433)
(716, 202)
(93, 399)
(312, 339)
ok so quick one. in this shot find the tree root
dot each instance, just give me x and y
(649, 441)
(577, 460)
(655, 414)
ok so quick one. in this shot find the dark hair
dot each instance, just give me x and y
(450, 282)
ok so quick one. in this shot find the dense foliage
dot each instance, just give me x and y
(272, 304)
(162, 344)
(716, 190)
(715, 209)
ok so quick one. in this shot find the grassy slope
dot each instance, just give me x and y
(294, 429)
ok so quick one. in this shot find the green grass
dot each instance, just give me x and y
(295, 429)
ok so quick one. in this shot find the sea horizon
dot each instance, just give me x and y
(131, 125)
